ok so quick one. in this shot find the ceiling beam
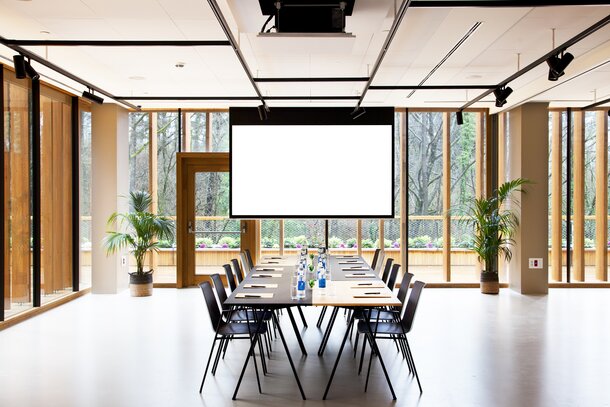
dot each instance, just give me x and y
(430, 87)
(314, 79)
(35, 57)
(113, 43)
(212, 98)
(402, 10)
(592, 105)
(578, 37)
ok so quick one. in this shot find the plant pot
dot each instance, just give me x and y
(490, 283)
(141, 285)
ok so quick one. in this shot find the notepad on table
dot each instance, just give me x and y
(351, 262)
(260, 285)
(369, 285)
(269, 268)
(355, 268)
(373, 295)
(360, 275)
(257, 295)
(266, 275)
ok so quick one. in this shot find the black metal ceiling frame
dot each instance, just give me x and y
(578, 37)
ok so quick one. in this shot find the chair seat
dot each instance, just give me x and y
(383, 315)
(241, 329)
(386, 328)
(243, 315)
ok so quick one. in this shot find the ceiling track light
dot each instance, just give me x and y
(502, 93)
(23, 68)
(357, 112)
(92, 97)
(558, 63)
(459, 116)
(263, 111)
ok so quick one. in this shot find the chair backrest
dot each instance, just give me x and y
(404, 287)
(221, 293)
(379, 264)
(386, 269)
(409, 316)
(375, 259)
(237, 270)
(230, 277)
(210, 301)
(249, 257)
(393, 274)
(245, 262)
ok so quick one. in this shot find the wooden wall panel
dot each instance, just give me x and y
(47, 197)
(20, 195)
(601, 196)
(66, 201)
(579, 196)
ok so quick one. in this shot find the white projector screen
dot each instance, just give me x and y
(311, 171)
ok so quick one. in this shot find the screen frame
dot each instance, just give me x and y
(244, 116)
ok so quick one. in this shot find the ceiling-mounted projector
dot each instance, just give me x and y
(306, 17)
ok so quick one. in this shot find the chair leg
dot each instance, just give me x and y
(225, 347)
(364, 341)
(218, 353)
(356, 344)
(414, 369)
(258, 379)
(368, 371)
(262, 353)
(207, 364)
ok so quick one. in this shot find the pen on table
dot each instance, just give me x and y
(365, 283)
(372, 293)
(252, 296)
(266, 269)
(262, 275)
(257, 286)
(359, 274)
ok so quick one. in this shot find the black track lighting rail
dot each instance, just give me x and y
(431, 87)
(578, 37)
(402, 10)
(116, 43)
(501, 3)
(314, 79)
(35, 57)
(213, 98)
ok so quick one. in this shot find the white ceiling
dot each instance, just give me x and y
(488, 56)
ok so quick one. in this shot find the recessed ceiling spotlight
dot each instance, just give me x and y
(137, 78)
(474, 76)
(180, 64)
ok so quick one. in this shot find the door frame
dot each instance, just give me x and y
(187, 165)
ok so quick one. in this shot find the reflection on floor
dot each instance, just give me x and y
(471, 350)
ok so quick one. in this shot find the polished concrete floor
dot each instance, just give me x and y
(471, 350)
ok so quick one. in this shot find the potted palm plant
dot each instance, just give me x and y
(141, 232)
(494, 225)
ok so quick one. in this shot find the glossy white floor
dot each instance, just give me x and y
(471, 350)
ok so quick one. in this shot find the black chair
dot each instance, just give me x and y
(386, 269)
(392, 278)
(249, 257)
(375, 258)
(237, 270)
(230, 277)
(224, 330)
(244, 261)
(395, 329)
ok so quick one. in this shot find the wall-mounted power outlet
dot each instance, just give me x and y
(123, 261)
(535, 263)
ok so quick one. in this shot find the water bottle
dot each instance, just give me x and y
(321, 279)
(301, 282)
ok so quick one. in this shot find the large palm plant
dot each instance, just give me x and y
(494, 223)
(142, 229)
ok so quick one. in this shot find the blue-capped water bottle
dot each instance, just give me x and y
(301, 282)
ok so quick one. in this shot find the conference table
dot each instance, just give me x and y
(353, 284)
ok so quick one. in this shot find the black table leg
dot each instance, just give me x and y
(329, 328)
(250, 351)
(302, 316)
(294, 371)
(375, 349)
(296, 331)
(332, 375)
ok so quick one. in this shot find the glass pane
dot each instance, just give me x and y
(55, 202)
(590, 167)
(464, 263)
(391, 227)
(198, 131)
(138, 151)
(220, 131)
(342, 235)
(425, 149)
(300, 232)
(85, 199)
(17, 194)
(218, 237)
(270, 237)
(167, 147)
(370, 238)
